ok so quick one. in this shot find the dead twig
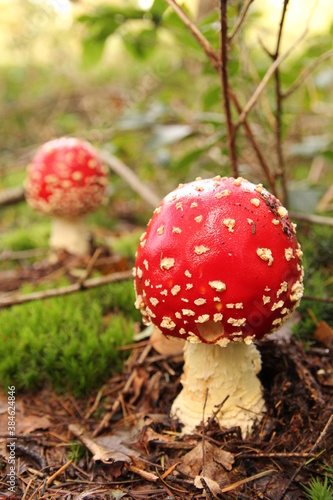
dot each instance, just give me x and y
(130, 178)
(203, 428)
(247, 480)
(11, 196)
(269, 73)
(215, 412)
(116, 405)
(251, 137)
(318, 299)
(208, 49)
(22, 254)
(277, 62)
(65, 290)
(240, 20)
(306, 72)
(90, 267)
(225, 89)
(58, 472)
(312, 219)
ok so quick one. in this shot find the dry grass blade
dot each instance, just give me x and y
(247, 480)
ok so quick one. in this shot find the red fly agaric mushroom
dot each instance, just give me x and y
(66, 180)
(220, 266)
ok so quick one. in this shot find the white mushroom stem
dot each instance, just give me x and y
(70, 234)
(229, 371)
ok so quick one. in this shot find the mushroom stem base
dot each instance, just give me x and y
(70, 234)
(226, 372)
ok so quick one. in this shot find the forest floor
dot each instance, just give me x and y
(121, 442)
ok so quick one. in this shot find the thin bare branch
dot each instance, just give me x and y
(225, 90)
(22, 254)
(11, 300)
(11, 196)
(306, 72)
(130, 178)
(313, 298)
(257, 93)
(312, 218)
(269, 176)
(208, 49)
(281, 170)
(283, 16)
(240, 20)
(255, 96)
(211, 54)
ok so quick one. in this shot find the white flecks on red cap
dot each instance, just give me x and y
(228, 254)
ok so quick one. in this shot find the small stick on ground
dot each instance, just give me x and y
(65, 290)
(203, 428)
(58, 472)
(218, 408)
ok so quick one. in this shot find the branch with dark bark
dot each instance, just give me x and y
(281, 171)
(225, 89)
(216, 63)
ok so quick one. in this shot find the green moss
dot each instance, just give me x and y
(127, 244)
(23, 238)
(67, 342)
(319, 490)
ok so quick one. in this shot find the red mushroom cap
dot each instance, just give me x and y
(66, 178)
(219, 261)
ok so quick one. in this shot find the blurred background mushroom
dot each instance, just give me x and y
(67, 180)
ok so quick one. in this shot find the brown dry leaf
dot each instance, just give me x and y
(213, 464)
(31, 423)
(324, 333)
(203, 482)
(165, 346)
(107, 449)
(25, 423)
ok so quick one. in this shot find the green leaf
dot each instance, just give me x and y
(211, 97)
(157, 10)
(140, 45)
(100, 24)
(92, 51)
(172, 22)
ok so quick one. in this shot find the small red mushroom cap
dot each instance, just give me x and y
(218, 262)
(66, 178)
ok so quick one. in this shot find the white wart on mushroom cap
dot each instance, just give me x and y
(66, 179)
(218, 262)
